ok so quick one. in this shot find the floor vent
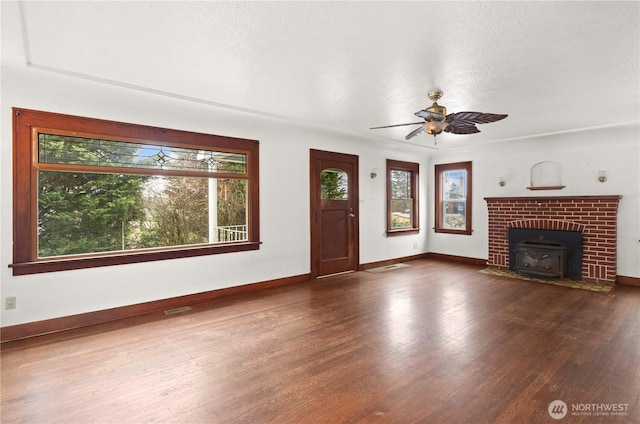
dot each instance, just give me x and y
(177, 310)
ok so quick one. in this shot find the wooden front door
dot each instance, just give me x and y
(334, 213)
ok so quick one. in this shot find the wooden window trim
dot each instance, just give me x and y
(439, 170)
(25, 195)
(414, 168)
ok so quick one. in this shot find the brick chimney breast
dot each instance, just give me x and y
(594, 216)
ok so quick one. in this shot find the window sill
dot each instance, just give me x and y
(404, 231)
(445, 231)
(66, 264)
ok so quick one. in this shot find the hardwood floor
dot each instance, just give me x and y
(435, 342)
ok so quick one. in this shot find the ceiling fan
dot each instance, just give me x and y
(436, 120)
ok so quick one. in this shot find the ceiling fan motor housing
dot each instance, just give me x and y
(440, 110)
(435, 107)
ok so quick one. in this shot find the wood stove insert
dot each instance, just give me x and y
(549, 253)
(545, 260)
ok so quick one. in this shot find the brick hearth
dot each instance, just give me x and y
(594, 216)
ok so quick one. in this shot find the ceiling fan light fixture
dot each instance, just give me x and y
(435, 127)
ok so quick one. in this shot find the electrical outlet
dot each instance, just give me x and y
(415, 245)
(10, 302)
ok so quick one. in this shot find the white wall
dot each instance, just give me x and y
(284, 152)
(580, 156)
(284, 199)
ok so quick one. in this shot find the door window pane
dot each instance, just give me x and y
(334, 184)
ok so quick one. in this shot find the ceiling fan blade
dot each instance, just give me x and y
(396, 125)
(414, 133)
(429, 116)
(461, 127)
(474, 117)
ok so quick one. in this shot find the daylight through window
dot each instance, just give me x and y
(453, 198)
(402, 197)
(95, 198)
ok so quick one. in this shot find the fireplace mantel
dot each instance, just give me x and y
(594, 216)
(615, 198)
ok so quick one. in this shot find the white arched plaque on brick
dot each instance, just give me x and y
(546, 176)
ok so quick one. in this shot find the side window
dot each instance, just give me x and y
(106, 193)
(453, 198)
(402, 197)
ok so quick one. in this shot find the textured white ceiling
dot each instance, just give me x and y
(552, 66)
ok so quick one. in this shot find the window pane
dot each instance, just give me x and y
(118, 168)
(454, 198)
(400, 184)
(95, 152)
(401, 199)
(82, 213)
(401, 213)
(231, 210)
(454, 214)
(334, 184)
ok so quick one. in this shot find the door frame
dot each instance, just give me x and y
(315, 206)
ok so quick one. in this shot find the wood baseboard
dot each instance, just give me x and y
(430, 255)
(628, 281)
(371, 265)
(37, 328)
(454, 258)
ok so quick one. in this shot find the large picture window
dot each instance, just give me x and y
(453, 198)
(402, 197)
(90, 193)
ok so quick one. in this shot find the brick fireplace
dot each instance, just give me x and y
(595, 217)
